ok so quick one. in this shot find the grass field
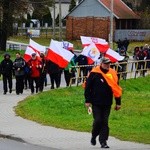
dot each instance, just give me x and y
(64, 108)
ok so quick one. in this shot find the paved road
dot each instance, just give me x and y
(7, 144)
(37, 134)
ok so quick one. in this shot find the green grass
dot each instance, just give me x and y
(64, 108)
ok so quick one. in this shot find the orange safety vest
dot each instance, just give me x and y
(112, 80)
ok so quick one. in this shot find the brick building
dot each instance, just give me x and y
(92, 18)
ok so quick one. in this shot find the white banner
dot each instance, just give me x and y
(137, 35)
(34, 33)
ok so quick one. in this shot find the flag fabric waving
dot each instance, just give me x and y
(33, 48)
(101, 44)
(91, 52)
(59, 55)
(66, 45)
(113, 56)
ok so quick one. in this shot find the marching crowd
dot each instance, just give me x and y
(33, 73)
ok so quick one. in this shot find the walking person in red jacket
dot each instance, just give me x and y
(35, 66)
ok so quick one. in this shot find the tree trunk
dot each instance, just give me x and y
(5, 24)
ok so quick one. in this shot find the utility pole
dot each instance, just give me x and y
(111, 25)
(60, 23)
(52, 11)
(54, 19)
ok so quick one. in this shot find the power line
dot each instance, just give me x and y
(39, 2)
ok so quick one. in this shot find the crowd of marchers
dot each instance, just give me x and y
(32, 74)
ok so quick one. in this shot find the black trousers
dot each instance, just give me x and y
(41, 81)
(100, 123)
(19, 84)
(68, 76)
(36, 80)
(55, 78)
(7, 81)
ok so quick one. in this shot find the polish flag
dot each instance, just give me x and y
(113, 56)
(66, 45)
(101, 44)
(33, 48)
(59, 55)
(91, 52)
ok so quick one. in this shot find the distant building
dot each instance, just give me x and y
(92, 18)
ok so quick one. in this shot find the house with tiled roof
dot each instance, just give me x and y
(92, 18)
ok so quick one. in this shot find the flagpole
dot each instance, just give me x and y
(60, 24)
(111, 25)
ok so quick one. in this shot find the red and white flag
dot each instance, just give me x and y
(113, 56)
(66, 45)
(59, 55)
(91, 52)
(33, 48)
(101, 44)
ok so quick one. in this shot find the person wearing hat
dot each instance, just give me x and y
(35, 66)
(7, 72)
(101, 86)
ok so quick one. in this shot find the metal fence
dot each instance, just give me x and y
(125, 70)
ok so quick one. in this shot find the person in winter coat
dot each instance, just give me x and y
(68, 71)
(19, 70)
(43, 72)
(54, 72)
(101, 86)
(81, 60)
(7, 72)
(35, 66)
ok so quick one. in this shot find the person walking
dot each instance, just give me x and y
(68, 72)
(101, 85)
(35, 66)
(19, 70)
(43, 72)
(7, 72)
(54, 72)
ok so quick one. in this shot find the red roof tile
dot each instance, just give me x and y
(120, 9)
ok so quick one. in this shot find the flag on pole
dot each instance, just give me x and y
(59, 55)
(85, 40)
(33, 47)
(66, 45)
(91, 52)
(101, 44)
(113, 56)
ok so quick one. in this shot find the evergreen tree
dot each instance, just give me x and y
(72, 5)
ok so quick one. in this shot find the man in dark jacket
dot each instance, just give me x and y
(81, 60)
(7, 71)
(101, 85)
(54, 72)
(19, 69)
(43, 71)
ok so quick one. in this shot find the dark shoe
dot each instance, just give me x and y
(4, 93)
(104, 145)
(17, 93)
(93, 141)
(10, 91)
